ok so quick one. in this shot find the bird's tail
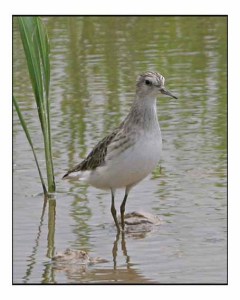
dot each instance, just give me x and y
(79, 175)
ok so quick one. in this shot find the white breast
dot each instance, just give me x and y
(130, 166)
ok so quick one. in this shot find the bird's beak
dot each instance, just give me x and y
(165, 92)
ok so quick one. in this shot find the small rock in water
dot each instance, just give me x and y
(77, 257)
(138, 218)
(140, 223)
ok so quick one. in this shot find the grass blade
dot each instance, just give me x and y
(36, 47)
(24, 126)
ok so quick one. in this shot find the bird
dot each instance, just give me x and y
(131, 151)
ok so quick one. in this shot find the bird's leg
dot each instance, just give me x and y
(113, 211)
(122, 207)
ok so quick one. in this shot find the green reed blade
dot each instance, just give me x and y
(36, 47)
(24, 126)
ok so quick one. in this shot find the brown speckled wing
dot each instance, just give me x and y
(96, 157)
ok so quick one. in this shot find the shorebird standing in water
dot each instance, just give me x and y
(128, 154)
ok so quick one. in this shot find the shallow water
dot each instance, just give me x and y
(95, 61)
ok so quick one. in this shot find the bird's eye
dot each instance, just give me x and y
(148, 82)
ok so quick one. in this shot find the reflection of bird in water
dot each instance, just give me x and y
(127, 155)
(78, 263)
(71, 264)
(123, 247)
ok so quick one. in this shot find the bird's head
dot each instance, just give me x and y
(151, 84)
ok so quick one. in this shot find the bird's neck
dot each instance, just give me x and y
(143, 113)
